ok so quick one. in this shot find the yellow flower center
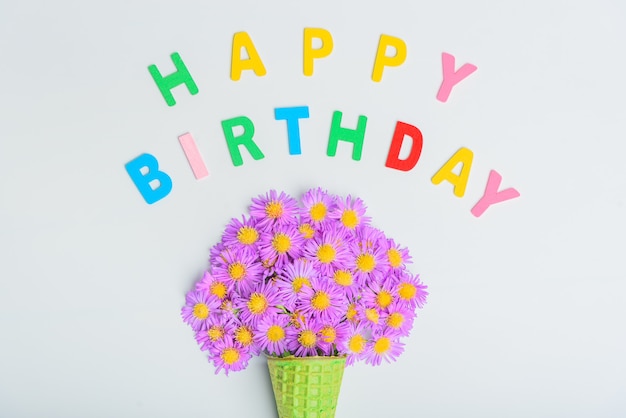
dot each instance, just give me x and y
(395, 258)
(236, 271)
(307, 338)
(275, 333)
(407, 291)
(274, 210)
(201, 311)
(365, 262)
(329, 334)
(298, 282)
(318, 212)
(230, 356)
(257, 303)
(326, 253)
(372, 315)
(306, 230)
(247, 235)
(382, 345)
(320, 300)
(215, 332)
(395, 320)
(281, 243)
(352, 312)
(243, 336)
(218, 289)
(384, 299)
(343, 278)
(356, 344)
(349, 218)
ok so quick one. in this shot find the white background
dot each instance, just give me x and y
(526, 313)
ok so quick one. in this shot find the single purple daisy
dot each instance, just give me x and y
(212, 286)
(228, 355)
(240, 270)
(382, 345)
(271, 334)
(411, 291)
(329, 251)
(345, 280)
(367, 261)
(244, 336)
(307, 231)
(331, 335)
(323, 301)
(350, 213)
(354, 344)
(199, 306)
(317, 207)
(379, 295)
(274, 209)
(397, 257)
(242, 233)
(398, 320)
(294, 277)
(258, 305)
(303, 341)
(218, 328)
(280, 246)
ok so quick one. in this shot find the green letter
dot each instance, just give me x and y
(337, 133)
(167, 83)
(244, 139)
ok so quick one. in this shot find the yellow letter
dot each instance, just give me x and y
(464, 156)
(254, 63)
(310, 53)
(382, 59)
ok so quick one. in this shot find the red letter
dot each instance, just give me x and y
(393, 158)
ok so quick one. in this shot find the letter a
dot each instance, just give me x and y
(254, 63)
(459, 181)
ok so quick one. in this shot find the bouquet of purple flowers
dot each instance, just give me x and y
(304, 280)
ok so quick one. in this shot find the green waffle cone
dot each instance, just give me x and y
(306, 387)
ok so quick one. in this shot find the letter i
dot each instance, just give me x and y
(196, 162)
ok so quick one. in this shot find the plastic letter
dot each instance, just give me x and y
(143, 181)
(167, 83)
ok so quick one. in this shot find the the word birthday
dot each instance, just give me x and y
(154, 184)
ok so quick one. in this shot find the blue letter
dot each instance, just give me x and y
(292, 115)
(142, 180)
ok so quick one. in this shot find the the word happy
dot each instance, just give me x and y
(154, 184)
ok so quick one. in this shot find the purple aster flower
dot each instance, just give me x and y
(280, 245)
(344, 279)
(212, 286)
(397, 257)
(198, 309)
(323, 301)
(367, 261)
(303, 341)
(383, 345)
(398, 320)
(240, 270)
(242, 233)
(244, 336)
(379, 295)
(258, 305)
(411, 291)
(370, 237)
(307, 231)
(369, 315)
(271, 335)
(329, 251)
(274, 209)
(218, 328)
(228, 355)
(294, 277)
(350, 213)
(331, 335)
(354, 344)
(317, 207)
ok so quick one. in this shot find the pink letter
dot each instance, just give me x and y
(450, 77)
(193, 156)
(492, 195)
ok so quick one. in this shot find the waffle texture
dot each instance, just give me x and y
(306, 387)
